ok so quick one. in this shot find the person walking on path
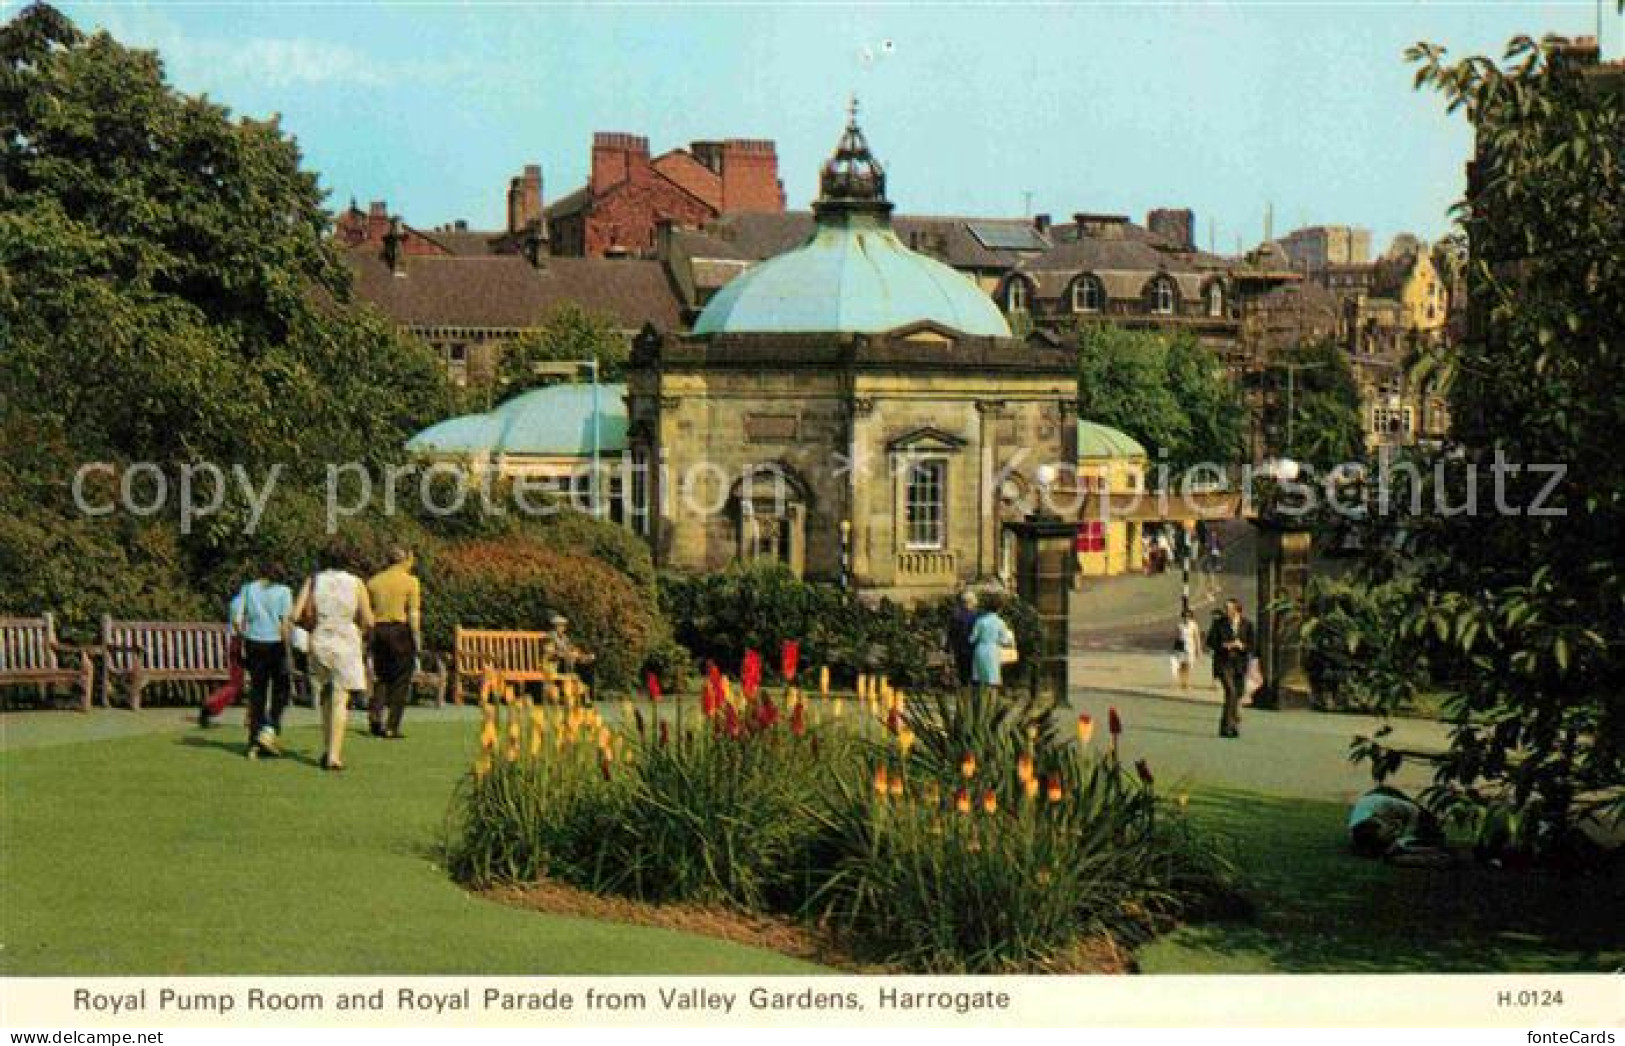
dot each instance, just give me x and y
(397, 605)
(960, 625)
(990, 638)
(334, 603)
(261, 619)
(227, 693)
(1231, 639)
(1187, 647)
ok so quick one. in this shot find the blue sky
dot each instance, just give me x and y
(1222, 107)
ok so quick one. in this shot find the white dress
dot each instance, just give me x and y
(1190, 637)
(335, 644)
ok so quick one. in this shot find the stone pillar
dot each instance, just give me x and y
(1283, 578)
(987, 509)
(1044, 568)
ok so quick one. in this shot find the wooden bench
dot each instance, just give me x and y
(433, 674)
(31, 654)
(141, 653)
(512, 658)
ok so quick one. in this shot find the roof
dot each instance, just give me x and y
(507, 291)
(852, 277)
(963, 242)
(1123, 261)
(555, 421)
(1102, 441)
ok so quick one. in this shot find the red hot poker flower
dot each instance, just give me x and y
(798, 720)
(789, 659)
(1143, 768)
(1114, 722)
(750, 674)
(665, 734)
(652, 683)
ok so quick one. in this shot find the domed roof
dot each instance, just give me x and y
(555, 421)
(853, 276)
(1102, 441)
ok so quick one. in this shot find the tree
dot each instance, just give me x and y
(170, 290)
(568, 333)
(1312, 406)
(1521, 604)
(1170, 394)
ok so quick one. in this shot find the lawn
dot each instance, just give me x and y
(167, 852)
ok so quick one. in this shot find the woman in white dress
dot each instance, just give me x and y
(338, 668)
(1187, 648)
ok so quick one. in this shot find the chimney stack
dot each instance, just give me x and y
(525, 199)
(617, 157)
(394, 242)
(1176, 225)
(1041, 223)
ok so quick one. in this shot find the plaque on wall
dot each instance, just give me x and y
(771, 428)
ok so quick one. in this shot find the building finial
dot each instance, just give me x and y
(852, 110)
(852, 179)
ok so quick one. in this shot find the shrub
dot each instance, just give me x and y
(1353, 645)
(721, 615)
(519, 583)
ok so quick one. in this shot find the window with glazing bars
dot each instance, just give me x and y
(926, 503)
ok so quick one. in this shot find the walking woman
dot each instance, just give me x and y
(1187, 647)
(261, 619)
(334, 603)
(993, 644)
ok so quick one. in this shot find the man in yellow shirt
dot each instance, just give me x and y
(397, 605)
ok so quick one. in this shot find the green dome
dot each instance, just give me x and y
(854, 276)
(551, 422)
(1102, 441)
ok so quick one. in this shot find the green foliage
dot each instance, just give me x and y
(568, 333)
(975, 870)
(721, 615)
(1324, 404)
(1353, 648)
(1525, 605)
(1170, 393)
(518, 583)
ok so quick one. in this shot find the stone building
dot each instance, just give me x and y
(629, 195)
(1313, 249)
(852, 408)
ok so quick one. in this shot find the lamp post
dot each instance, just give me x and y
(1283, 577)
(1045, 565)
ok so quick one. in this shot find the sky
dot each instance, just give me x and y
(1303, 109)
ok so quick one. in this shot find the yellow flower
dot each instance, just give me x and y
(1086, 729)
(510, 751)
(488, 735)
(882, 782)
(1052, 790)
(905, 739)
(967, 766)
(482, 766)
(605, 739)
(823, 680)
(1029, 788)
(962, 801)
(898, 700)
(990, 802)
(1032, 734)
(840, 707)
(1024, 767)
(1183, 800)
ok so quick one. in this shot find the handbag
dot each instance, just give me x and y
(1008, 654)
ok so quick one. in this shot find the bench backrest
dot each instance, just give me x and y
(478, 648)
(26, 644)
(167, 646)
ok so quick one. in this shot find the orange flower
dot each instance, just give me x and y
(482, 766)
(1024, 767)
(967, 766)
(905, 740)
(882, 784)
(896, 786)
(990, 802)
(1086, 729)
(1052, 789)
(488, 735)
(823, 680)
(1029, 788)
(962, 801)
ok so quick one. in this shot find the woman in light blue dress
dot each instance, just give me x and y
(988, 637)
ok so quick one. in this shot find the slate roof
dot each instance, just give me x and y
(1124, 259)
(506, 291)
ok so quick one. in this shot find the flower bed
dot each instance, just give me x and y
(935, 833)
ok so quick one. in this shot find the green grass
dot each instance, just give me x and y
(158, 853)
(1322, 910)
(171, 854)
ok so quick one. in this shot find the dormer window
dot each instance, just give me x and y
(1215, 299)
(1016, 297)
(1162, 296)
(1087, 295)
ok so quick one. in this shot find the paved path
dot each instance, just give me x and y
(1121, 639)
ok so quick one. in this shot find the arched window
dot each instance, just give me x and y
(1162, 296)
(1016, 296)
(1087, 295)
(1215, 299)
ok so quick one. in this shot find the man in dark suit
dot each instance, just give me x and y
(1232, 640)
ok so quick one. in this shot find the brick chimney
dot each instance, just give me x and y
(750, 176)
(617, 157)
(395, 245)
(1176, 225)
(525, 198)
(1041, 224)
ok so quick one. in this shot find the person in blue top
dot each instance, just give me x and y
(261, 617)
(989, 638)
